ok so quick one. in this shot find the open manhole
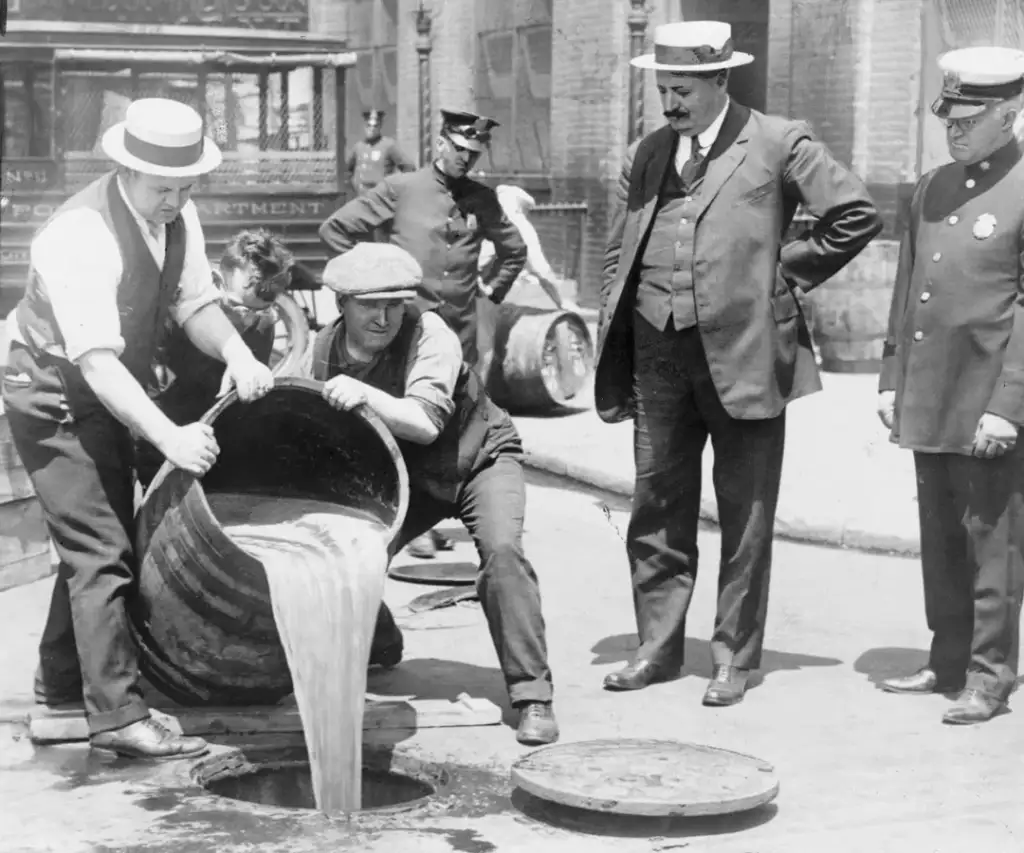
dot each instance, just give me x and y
(289, 785)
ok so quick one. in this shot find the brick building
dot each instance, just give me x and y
(556, 75)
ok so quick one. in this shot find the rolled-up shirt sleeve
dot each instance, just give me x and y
(197, 289)
(78, 262)
(432, 370)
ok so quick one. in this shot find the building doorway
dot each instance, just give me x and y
(749, 20)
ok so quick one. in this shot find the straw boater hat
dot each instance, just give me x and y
(162, 137)
(975, 77)
(695, 46)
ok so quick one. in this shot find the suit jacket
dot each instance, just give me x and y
(955, 346)
(758, 171)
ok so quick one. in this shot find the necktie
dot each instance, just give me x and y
(691, 168)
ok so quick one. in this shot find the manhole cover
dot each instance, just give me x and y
(438, 574)
(289, 785)
(652, 778)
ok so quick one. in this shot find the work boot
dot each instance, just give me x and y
(537, 724)
(422, 547)
(442, 542)
(149, 739)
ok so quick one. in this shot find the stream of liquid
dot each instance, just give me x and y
(325, 566)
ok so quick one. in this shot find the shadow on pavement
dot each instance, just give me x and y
(697, 653)
(431, 678)
(889, 662)
(629, 826)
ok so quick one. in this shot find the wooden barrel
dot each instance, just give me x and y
(202, 618)
(542, 359)
(25, 554)
(850, 312)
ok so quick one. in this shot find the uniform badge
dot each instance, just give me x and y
(471, 221)
(985, 226)
(374, 155)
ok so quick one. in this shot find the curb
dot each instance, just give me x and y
(846, 534)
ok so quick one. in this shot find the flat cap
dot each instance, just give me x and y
(374, 271)
(975, 77)
(469, 130)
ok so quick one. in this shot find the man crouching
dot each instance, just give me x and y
(462, 451)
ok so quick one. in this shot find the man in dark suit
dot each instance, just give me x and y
(701, 334)
(952, 384)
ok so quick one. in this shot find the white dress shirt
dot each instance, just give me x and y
(79, 265)
(706, 138)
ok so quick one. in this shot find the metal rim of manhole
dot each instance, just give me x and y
(436, 574)
(646, 778)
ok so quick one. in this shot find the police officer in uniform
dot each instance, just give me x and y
(375, 157)
(952, 384)
(441, 217)
(106, 271)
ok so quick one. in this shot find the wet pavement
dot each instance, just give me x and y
(860, 770)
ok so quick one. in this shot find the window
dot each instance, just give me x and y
(513, 82)
(373, 83)
(950, 24)
(26, 106)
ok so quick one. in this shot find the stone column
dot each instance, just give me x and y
(423, 47)
(637, 32)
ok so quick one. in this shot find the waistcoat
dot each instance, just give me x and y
(144, 298)
(665, 289)
(475, 433)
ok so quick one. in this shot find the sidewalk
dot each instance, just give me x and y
(843, 483)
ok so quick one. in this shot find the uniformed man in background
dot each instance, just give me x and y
(441, 217)
(375, 156)
(952, 384)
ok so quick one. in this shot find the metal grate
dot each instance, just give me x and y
(968, 23)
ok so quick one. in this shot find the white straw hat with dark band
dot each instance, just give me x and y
(162, 137)
(694, 47)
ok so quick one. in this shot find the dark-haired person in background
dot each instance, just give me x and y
(254, 270)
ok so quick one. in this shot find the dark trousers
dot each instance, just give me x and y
(492, 505)
(972, 537)
(82, 474)
(677, 409)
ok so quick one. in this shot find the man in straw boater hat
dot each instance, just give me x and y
(106, 271)
(462, 451)
(952, 384)
(441, 217)
(701, 335)
(375, 156)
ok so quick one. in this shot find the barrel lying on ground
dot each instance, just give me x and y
(542, 359)
(202, 618)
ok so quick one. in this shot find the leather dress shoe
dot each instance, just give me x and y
(973, 706)
(149, 739)
(537, 724)
(925, 680)
(727, 686)
(636, 676)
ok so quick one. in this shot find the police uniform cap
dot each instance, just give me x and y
(374, 115)
(374, 271)
(973, 78)
(467, 130)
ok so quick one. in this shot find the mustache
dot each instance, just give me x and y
(676, 114)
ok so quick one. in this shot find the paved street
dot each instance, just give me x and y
(859, 770)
